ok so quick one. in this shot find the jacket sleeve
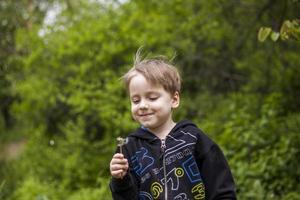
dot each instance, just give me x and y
(216, 174)
(125, 188)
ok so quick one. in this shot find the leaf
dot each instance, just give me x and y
(274, 36)
(263, 33)
(2, 185)
(290, 29)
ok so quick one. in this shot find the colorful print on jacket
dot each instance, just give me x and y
(173, 172)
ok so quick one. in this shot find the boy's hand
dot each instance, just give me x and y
(118, 166)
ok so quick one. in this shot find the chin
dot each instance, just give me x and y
(147, 125)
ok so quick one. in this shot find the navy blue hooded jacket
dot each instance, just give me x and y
(186, 165)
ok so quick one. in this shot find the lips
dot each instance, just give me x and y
(145, 114)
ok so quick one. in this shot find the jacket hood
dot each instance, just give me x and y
(144, 133)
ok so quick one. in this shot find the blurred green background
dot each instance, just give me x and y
(63, 105)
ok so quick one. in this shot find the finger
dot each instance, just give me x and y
(119, 156)
(126, 166)
(119, 167)
(123, 174)
(117, 174)
(119, 161)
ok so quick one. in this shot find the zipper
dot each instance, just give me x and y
(163, 149)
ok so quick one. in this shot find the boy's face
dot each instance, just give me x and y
(151, 105)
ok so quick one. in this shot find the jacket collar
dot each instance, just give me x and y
(145, 134)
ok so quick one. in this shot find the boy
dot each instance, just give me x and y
(163, 159)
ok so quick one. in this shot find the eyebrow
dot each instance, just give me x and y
(135, 96)
(147, 93)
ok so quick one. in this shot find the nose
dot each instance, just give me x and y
(144, 105)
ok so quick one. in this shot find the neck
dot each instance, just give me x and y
(162, 131)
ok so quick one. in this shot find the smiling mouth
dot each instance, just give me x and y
(145, 115)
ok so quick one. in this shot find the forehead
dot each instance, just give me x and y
(139, 84)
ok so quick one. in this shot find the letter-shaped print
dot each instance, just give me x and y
(191, 169)
(145, 196)
(156, 189)
(173, 177)
(181, 196)
(141, 161)
(198, 191)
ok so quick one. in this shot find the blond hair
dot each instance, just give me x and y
(158, 71)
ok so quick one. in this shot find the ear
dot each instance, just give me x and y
(175, 100)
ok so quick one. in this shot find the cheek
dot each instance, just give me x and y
(133, 113)
(163, 104)
(133, 109)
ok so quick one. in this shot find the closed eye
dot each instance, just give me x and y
(135, 101)
(153, 98)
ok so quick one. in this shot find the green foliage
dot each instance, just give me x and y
(289, 29)
(286, 27)
(267, 143)
(66, 98)
(35, 189)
